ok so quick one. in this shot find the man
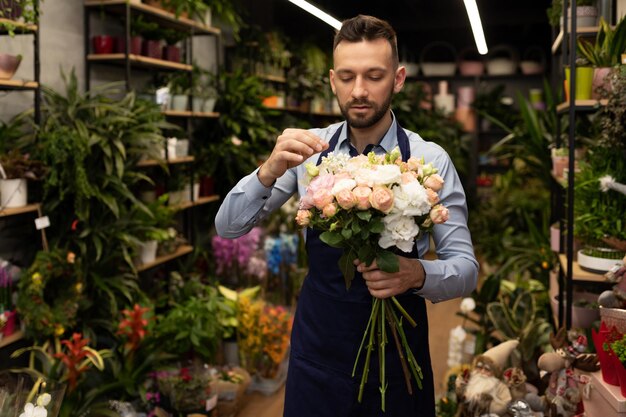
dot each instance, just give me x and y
(330, 321)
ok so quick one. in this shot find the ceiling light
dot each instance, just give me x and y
(477, 26)
(317, 13)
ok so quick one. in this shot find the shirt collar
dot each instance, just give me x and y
(387, 142)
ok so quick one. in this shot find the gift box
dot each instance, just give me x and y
(603, 399)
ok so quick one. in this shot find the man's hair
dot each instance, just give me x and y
(368, 28)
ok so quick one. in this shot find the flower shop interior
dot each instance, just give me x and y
(125, 123)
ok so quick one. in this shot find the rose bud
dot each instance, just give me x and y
(439, 214)
(433, 197)
(329, 210)
(434, 181)
(303, 218)
(322, 198)
(382, 199)
(346, 199)
(362, 195)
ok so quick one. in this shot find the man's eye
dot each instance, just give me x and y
(345, 79)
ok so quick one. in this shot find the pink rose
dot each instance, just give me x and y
(329, 210)
(434, 181)
(439, 214)
(321, 182)
(382, 199)
(346, 199)
(362, 195)
(408, 177)
(322, 198)
(306, 202)
(433, 197)
(414, 163)
(303, 218)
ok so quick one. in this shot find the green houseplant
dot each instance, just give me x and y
(27, 11)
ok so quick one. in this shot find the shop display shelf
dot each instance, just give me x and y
(199, 202)
(579, 274)
(272, 78)
(18, 85)
(173, 161)
(6, 341)
(163, 17)
(19, 210)
(581, 106)
(181, 251)
(582, 31)
(192, 114)
(19, 27)
(297, 110)
(138, 61)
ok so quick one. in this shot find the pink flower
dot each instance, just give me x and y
(434, 181)
(303, 218)
(382, 199)
(408, 177)
(414, 163)
(322, 198)
(362, 195)
(329, 210)
(439, 214)
(433, 197)
(346, 199)
(306, 202)
(321, 182)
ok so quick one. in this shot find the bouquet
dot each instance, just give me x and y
(366, 205)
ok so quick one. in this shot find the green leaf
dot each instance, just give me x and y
(347, 267)
(387, 261)
(334, 239)
(366, 254)
(346, 233)
(356, 227)
(376, 226)
(364, 215)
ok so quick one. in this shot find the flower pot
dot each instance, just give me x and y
(609, 374)
(135, 45)
(8, 65)
(621, 373)
(148, 251)
(586, 16)
(182, 148)
(178, 197)
(207, 186)
(10, 325)
(584, 81)
(13, 193)
(597, 264)
(197, 104)
(171, 53)
(601, 82)
(103, 44)
(180, 102)
(196, 191)
(152, 49)
(209, 105)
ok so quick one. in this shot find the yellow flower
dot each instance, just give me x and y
(36, 279)
(59, 330)
(71, 257)
(79, 287)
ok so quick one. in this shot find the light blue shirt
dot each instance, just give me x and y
(453, 274)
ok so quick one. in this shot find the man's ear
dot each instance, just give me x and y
(331, 76)
(398, 82)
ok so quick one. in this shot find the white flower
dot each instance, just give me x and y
(458, 334)
(343, 184)
(31, 411)
(387, 174)
(411, 199)
(365, 177)
(467, 305)
(399, 231)
(44, 399)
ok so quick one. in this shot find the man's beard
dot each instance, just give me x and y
(479, 384)
(363, 122)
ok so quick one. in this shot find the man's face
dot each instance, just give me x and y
(364, 81)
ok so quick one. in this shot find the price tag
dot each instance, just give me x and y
(211, 403)
(42, 222)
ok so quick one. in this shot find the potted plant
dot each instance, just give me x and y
(227, 12)
(15, 169)
(152, 223)
(151, 34)
(9, 65)
(603, 53)
(137, 25)
(586, 13)
(619, 361)
(180, 87)
(171, 50)
(12, 10)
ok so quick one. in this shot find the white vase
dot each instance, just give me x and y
(196, 191)
(179, 102)
(147, 251)
(13, 193)
(197, 105)
(209, 105)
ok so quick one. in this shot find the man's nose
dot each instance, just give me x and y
(360, 88)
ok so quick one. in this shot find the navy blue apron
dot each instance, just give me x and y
(327, 330)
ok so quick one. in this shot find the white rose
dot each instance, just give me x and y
(411, 199)
(387, 174)
(344, 184)
(467, 305)
(365, 177)
(399, 231)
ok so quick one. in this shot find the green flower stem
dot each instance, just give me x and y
(370, 347)
(394, 332)
(381, 353)
(375, 306)
(403, 311)
(413, 365)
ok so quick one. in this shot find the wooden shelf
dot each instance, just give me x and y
(5, 341)
(579, 274)
(18, 85)
(582, 105)
(163, 17)
(178, 113)
(297, 110)
(19, 26)
(273, 78)
(482, 77)
(181, 251)
(200, 201)
(584, 31)
(139, 61)
(173, 161)
(19, 210)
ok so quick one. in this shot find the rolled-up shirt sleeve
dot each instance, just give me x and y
(455, 271)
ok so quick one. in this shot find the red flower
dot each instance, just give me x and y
(184, 374)
(75, 354)
(133, 326)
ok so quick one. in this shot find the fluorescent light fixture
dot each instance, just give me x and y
(477, 26)
(317, 13)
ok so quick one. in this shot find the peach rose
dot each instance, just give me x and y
(306, 202)
(414, 163)
(346, 199)
(434, 181)
(433, 197)
(303, 218)
(382, 199)
(439, 214)
(321, 182)
(322, 198)
(329, 210)
(408, 177)
(362, 195)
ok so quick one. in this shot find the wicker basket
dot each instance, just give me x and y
(614, 317)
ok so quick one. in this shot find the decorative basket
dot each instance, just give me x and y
(502, 60)
(614, 317)
(533, 61)
(439, 68)
(471, 63)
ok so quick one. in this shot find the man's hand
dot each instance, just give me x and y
(292, 148)
(384, 285)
